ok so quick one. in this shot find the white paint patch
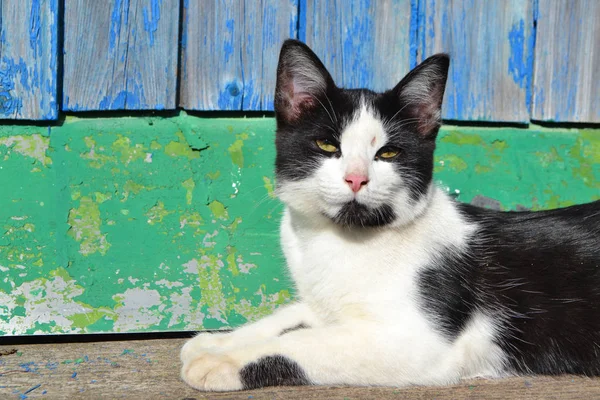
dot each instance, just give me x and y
(192, 267)
(206, 242)
(168, 284)
(46, 301)
(182, 310)
(244, 267)
(137, 309)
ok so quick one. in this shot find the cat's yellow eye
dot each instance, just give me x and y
(326, 145)
(389, 154)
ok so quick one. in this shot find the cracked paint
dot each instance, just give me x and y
(115, 225)
(34, 146)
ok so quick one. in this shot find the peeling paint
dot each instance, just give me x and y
(85, 223)
(34, 146)
(95, 238)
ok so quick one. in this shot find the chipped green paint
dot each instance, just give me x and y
(189, 186)
(34, 146)
(218, 210)
(269, 187)
(85, 228)
(235, 150)
(157, 213)
(154, 224)
(180, 148)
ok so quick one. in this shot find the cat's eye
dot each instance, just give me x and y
(327, 146)
(387, 153)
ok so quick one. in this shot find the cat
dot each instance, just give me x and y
(398, 284)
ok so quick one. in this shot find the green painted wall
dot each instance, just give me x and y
(145, 224)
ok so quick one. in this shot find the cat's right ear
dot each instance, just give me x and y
(301, 80)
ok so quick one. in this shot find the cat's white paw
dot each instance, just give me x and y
(205, 341)
(212, 371)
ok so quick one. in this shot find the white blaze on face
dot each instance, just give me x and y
(360, 141)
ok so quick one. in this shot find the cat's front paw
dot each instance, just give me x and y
(213, 371)
(204, 341)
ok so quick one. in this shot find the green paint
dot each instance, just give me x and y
(85, 225)
(269, 187)
(115, 225)
(34, 146)
(189, 186)
(181, 148)
(235, 150)
(218, 210)
(157, 213)
(451, 162)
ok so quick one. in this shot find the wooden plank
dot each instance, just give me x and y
(362, 43)
(28, 51)
(230, 50)
(567, 61)
(491, 47)
(149, 369)
(120, 54)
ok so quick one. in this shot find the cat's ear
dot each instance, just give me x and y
(421, 93)
(301, 80)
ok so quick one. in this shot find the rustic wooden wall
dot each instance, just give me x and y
(512, 60)
(28, 59)
(120, 55)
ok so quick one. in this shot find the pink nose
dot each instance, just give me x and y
(356, 181)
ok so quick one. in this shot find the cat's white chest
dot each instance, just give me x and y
(343, 276)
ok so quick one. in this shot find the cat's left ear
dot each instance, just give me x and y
(301, 80)
(421, 93)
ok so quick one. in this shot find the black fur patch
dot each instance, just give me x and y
(356, 214)
(294, 328)
(274, 370)
(537, 274)
(448, 295)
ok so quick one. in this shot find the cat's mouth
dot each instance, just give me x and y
(356, 214)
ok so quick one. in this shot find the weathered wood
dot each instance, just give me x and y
(230, 50)
(120, 54)
(491, 47)
(362, 43)
(149, 369)
(28, 52)
(567, 61)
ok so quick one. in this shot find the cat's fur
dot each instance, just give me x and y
(398, 284)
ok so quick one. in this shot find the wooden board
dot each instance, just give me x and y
(362, 43)
(491, 47)
(567, 61)
(149, 369)
(28, 65)
(230, 50)
(120, 54)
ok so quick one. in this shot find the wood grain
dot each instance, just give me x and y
(230, 50)
(362, 43)
(149, 369)
(490, 43)
(28, 59)
(567, 61)
(120, 54)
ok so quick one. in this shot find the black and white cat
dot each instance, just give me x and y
(397, 283)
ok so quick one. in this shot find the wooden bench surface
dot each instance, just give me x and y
(149, 369)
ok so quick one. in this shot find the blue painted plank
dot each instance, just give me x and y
(120, 54)
(28, 52)
(567, 61)
(363, 43)
(230, 50)
(490, 43)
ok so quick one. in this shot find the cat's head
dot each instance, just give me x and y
(357, 157)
